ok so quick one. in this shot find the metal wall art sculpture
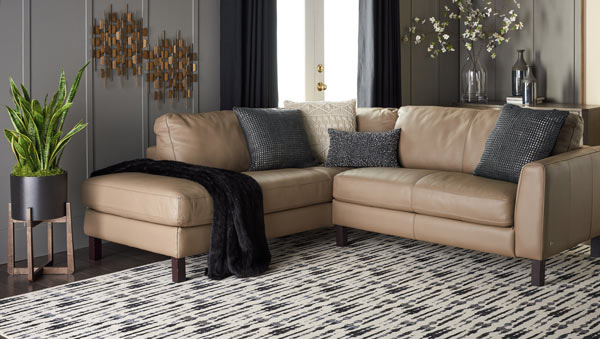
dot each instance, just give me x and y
(120, 45)
(171, 68)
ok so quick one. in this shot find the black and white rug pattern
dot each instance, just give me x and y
(380, 286)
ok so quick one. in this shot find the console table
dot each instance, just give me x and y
(590, 114)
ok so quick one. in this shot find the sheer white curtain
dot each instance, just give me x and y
(341, 49)
(291, 40)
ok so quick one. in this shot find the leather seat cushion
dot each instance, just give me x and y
(465, 197)
(179, 202)
(378, 187)
(452, 195)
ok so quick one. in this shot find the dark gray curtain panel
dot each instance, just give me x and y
(379, 39)
(248, 53)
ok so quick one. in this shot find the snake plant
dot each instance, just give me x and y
(37, 140)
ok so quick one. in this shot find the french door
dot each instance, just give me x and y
(317, 49)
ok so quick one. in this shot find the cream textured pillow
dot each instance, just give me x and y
(319, 116)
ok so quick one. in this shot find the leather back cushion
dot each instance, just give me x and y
(571, 135)
(213, 139)
(375, 119)
(453, 139)
(444, 138)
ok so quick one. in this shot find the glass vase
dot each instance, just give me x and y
(473, 82)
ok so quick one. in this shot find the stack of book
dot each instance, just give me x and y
(519, 100)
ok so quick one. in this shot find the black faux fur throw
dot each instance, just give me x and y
(238, 244)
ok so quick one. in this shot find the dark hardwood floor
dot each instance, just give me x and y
(115, 258)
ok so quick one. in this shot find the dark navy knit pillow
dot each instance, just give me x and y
(276, 138)
(362, 149)
(521, 135)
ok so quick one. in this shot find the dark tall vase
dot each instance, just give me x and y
(529, 88)
(519, 71)
(46, 196)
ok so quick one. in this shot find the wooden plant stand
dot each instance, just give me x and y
(31, 271)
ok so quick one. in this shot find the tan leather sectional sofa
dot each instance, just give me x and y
(433, 197)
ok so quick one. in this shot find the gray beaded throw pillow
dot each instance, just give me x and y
(521, 136)
(362, 149)
(276, 138)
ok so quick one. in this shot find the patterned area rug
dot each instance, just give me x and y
(380, 286)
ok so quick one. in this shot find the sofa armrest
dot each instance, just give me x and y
(558, 203)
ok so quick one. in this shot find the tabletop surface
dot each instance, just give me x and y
(499, 104)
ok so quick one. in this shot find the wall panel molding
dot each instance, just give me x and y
(12, 55)
(196, 40)
(145, 90)
(89, 89)
(26, 43)
(426, 81)
(578, 50)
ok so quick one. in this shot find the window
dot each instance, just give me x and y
(312, 33)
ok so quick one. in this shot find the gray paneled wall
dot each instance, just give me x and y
(552, 39)
(39, 37)
(427, 81)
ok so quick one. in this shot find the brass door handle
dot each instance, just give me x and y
(321, 86)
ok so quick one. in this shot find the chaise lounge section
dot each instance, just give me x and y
(173, 216)
(433, 197)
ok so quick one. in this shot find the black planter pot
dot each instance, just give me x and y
(46, 196)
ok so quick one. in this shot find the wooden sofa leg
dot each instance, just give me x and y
(178, 269)
(341, 235)
(595, 253)
(95, 248)
(538, 272)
